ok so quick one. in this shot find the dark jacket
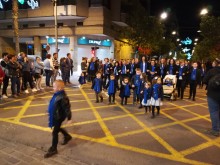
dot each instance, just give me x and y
(61, 108)
(101, 84)
(115, 85)
(14, 69)
(213, 93)
(198, 75)
(122, 90)
(174, 69)
(184, 73)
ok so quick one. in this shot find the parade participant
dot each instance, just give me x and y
(153, 69)
(203, 72)
(137, 82)
(82, 79)
(92, 69)
(156, 96)
(112, 87)
(125, 91)
(6, 78)
(143, 65)
(146, 92)
(171, 68)
(162, 68)
(181, 79)
(38, 69)
(58, 111)
(124, 70)
(106, 70)
(117, 70)
(132, 68)
(194, 79)
(97, 85)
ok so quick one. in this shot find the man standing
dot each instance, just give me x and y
(56, 67)
(69, 63)
(212, 79)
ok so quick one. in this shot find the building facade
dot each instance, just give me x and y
(86, 28)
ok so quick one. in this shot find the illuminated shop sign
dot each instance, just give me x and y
(59, 40)
(22, 4)
(87, 41)
(188, 41)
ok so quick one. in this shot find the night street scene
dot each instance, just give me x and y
(109, 82)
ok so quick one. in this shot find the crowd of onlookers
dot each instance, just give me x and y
(24, 72)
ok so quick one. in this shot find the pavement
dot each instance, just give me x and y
(108, 134)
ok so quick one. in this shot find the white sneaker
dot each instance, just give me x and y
(4, 96)
(34, 90)
(26, 91)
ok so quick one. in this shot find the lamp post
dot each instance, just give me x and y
(56, 26)
(163, 15)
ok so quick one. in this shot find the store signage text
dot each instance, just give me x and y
(87, 41)
(59, 40)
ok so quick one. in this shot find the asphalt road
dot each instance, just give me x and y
(109, 134)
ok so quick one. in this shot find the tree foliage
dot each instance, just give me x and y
(209, 47)
(143, 30)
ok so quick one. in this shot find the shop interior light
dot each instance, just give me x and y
(63, 37)
(83, 37)
(47, 36)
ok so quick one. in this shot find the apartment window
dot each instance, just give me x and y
(94, 3)
(66, 2)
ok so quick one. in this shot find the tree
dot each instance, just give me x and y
(15, 22)
(143, 30)
(209, 47)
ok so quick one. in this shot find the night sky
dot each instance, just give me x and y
(186, 13)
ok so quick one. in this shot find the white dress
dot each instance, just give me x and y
(147, 104)
(157, 102)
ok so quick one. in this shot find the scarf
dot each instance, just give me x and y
(51, 108)
(171, 69)
(127, 90)
(146, 95)
(156, 91)
(132, 68)
(115, 71)
(106, 69)
(92, 66)
(162, 69)
(97, 85)
(181, 71)
(123, 69)
(193, 74)
(143, 67)
(111, 89)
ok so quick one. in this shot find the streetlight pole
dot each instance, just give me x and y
(56, 26)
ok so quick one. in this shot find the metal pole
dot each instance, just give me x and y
(56, 27)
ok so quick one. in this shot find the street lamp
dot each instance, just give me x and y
(173, 32)
(204, 11)
(164, 15)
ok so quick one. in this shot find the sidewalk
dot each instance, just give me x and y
(12, 153)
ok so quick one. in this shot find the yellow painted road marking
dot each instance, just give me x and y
(153, 134)
(99, 118)
(23, 110)
(120, 146)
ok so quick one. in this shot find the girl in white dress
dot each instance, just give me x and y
(146, 102)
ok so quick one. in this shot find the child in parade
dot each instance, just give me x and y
(137, 81)
(156, 95)
(125, 91)
(146, 102)
(97, 85)
(112, 86)
(58, 110)
(117, 70)
(82, 79)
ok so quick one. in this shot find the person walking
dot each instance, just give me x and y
(48, 68)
